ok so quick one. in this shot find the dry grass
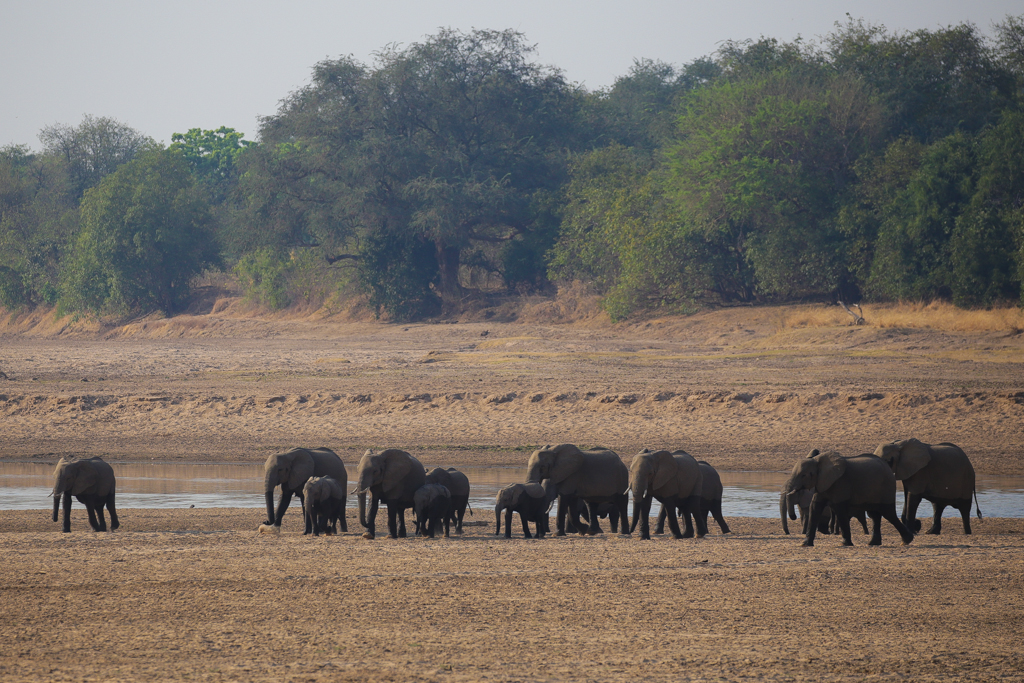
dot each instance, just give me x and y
(936, 315)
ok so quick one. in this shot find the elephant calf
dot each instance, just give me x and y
(532, 501)
(323, 505)
(432, 504)
(457, 484)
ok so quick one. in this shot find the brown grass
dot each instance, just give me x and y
(936, 315)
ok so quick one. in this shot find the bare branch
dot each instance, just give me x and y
(857, 319)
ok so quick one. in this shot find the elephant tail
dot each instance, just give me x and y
(977, 508)
(470, 508)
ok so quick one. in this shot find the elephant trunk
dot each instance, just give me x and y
(270, 482)
(783, 509)
(362, 509)
(56, 504)
(497, 518)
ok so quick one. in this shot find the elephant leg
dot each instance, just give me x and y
(687, 516)
(662, 516)
(700, 518)
(645, 516)
(613, 520)
(286, 498)
(66, 499)
(805, 518)
(524, 518)
(101, 522)
(115, 523)
(594, 528)
(447, 525)
(841, 517)
(716, 512)
(876, 525)
(392, 522)
(673, 520)
(817, 506)
(508, 522)
(862, 518)
(91, 510)
(371, 519)
(401, 522)
(938, 509)
(965, 514)
(560, 516)
(890, 515)
(622, 512)
(341, 516)
(910, 512)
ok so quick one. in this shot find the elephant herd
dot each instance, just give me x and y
(827, 488)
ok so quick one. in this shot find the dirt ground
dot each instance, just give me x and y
(198, 595)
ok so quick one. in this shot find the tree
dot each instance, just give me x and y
(212, 154)
(38, 219)
(450, 142)
(96, 148)
(760, 168)
(145, 234)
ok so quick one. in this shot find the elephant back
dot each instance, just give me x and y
(456, 482)
(602, 473)
(430, 494)
(326, 463)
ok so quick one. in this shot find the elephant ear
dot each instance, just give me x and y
(665, 468)
(913, 456)
(534, 490)
(831, 466)
(567, 460)
(397, 465)
(301, 469)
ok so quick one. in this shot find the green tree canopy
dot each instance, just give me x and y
(455, 141)
(145, 234)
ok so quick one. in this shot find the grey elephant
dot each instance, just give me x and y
(675, 480)
(457, 484)
(801, 500)
(942, 474)
(391, 477)
(92, 482)
(710, 501)
(862, 482)
(609, 511)
(596, 476)
(532, 501)
(432, 504)
(291, 470)
(323, 505)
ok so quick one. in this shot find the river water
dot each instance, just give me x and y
(26, 486)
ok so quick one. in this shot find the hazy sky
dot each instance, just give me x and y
(169, 66)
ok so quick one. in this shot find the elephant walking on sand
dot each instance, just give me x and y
(391, 477)
(432, 504)
(847, 485)
(675, 480)
(595, 476)
(532, 501)
(92, 482)
(457, 484)
(942, 474)
(323, 505)
(710, 501)
(291, 470)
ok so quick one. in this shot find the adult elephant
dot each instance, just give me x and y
(862, 482)
(457, 484)
(942, 474)
(390, 477)
(710, 501)
(595, 476)
(92, 482)
(323, 505)
(291, 470)
(675, 480)
(532, 501)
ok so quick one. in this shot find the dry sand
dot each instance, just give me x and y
(198, 595)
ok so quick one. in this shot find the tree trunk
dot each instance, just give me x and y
(448, 261)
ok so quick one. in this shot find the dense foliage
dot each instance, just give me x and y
(872, 164)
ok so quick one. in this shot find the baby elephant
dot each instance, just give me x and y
(532, 501)
(432, 504)
(92, 482)
(323, 505)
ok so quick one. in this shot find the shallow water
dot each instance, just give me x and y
(26, 486)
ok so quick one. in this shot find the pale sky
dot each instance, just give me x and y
(166, 67)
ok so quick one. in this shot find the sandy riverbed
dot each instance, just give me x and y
(196, 594)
